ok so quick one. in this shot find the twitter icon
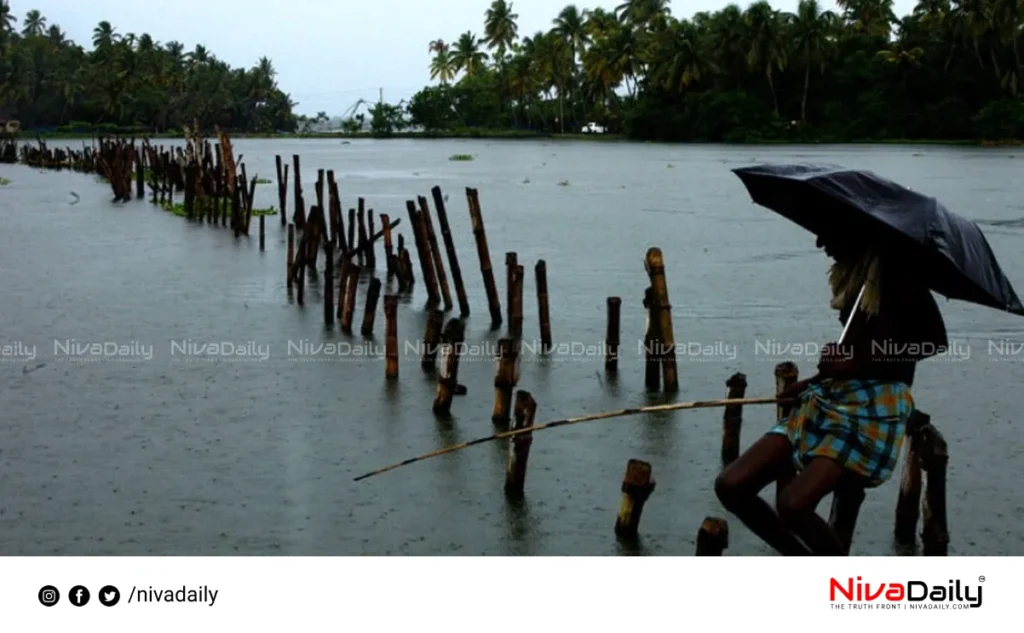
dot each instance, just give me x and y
(109, 596)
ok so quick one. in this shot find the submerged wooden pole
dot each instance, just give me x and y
(656, 270)
(328, 284)
(480, 235)
(505, 380)
(282, 188)
(419, 236)
(934, 459)
(363, 236)
(435, 252)
(291, 252)
(352, 245)
(612, 335)
(263, 232)
(448, 376)
(351, 284)
(343, 281)
(652, 343)
(732, 419)
(372, 297)
(391, 336)
(389, 251)
(432, 339)
(637, 486)
(519, 446)
(299, 215)
(449, 245)
(713, 537)
(515, 323)
(908, 504)
(511, 261)
(540, 272)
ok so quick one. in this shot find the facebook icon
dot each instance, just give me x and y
(79, 596)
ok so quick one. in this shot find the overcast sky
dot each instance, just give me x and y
(328, 53)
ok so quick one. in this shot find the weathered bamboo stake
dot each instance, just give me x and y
(713, 537)
(361, 216)
(250, 197)
(511, 261)
(282, 188)
(337, 225)
(423, 250)
(449, 246)
(934, 459)
(432, 339)
(540, 271)
(505, 380)
(448, 376)
(343, 280)
(612, 335)
(372, 297)
(786, 374)
(291, 252)
(732, 419)
(371, 255)
(299, 217)
(435, 253)
(300, 269)
(319, 188)
(652, 343)
(191, 173)
(391, 336)
(637, 486)
(406, 263)
(389, 251)
(908, 504)
(352, 252)
(351, 284)
(140, 171)
(519, 446)
(476, 217)
(352, 246)
(263, 232)
(515, 322)
(328, 283)
(656, 270)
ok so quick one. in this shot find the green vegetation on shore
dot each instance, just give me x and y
(128, 81)
(947, 71)
(4, 182)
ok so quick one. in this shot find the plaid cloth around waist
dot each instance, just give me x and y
(858, 423)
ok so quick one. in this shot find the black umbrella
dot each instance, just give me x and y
(952, 252)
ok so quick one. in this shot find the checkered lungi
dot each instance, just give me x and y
(858, 423)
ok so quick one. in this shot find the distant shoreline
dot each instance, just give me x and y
(522, 135)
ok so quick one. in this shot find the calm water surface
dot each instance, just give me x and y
(174, 456)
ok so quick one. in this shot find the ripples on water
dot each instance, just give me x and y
(257, 458)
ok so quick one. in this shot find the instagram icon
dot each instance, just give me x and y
(49, 596)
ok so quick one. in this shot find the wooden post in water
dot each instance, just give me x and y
(612, 336)
(432, 339)
(656, 270)
(732, 420)
(713, 537)
(328, 282)
(511, 261)
(449, 246)
(299, 216)
(515, 324)
(319, 188)
(263, 232)
(343, 280)
(435, 253)
(352, 245)
(786, 374)
(637, 486)
(476, 217)
(372, 297)
(505, 380)
(361, 218)
(423, 250)
(652, 343)
(519, 446)
(140, 171)
(291, 252)
(934, 459)
(351, 284)
(540, 272)
(391, 336)
(908, 504)
(371, 255)
(282, 188)
(448, 376)
(389, 250)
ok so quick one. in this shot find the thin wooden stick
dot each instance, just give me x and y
(697, 404)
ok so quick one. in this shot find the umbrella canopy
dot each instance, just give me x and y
(838, 203)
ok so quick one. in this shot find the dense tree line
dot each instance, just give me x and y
(129, 81)
(950, 70)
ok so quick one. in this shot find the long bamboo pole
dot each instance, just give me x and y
(697, 404)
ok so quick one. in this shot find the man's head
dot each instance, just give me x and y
(838, 249)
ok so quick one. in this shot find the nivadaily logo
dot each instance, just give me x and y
(913, 594)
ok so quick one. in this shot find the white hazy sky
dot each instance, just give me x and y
(328, 54)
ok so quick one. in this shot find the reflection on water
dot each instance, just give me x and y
(201, 456)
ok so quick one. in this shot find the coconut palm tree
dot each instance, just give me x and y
(34, 24)
(442, 68)
(467, 56)
(767, 40)
(103, 35)
(811, 31)
(500, 28)
(55, 35)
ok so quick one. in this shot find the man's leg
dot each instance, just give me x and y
(739, 485)
(798, 504)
